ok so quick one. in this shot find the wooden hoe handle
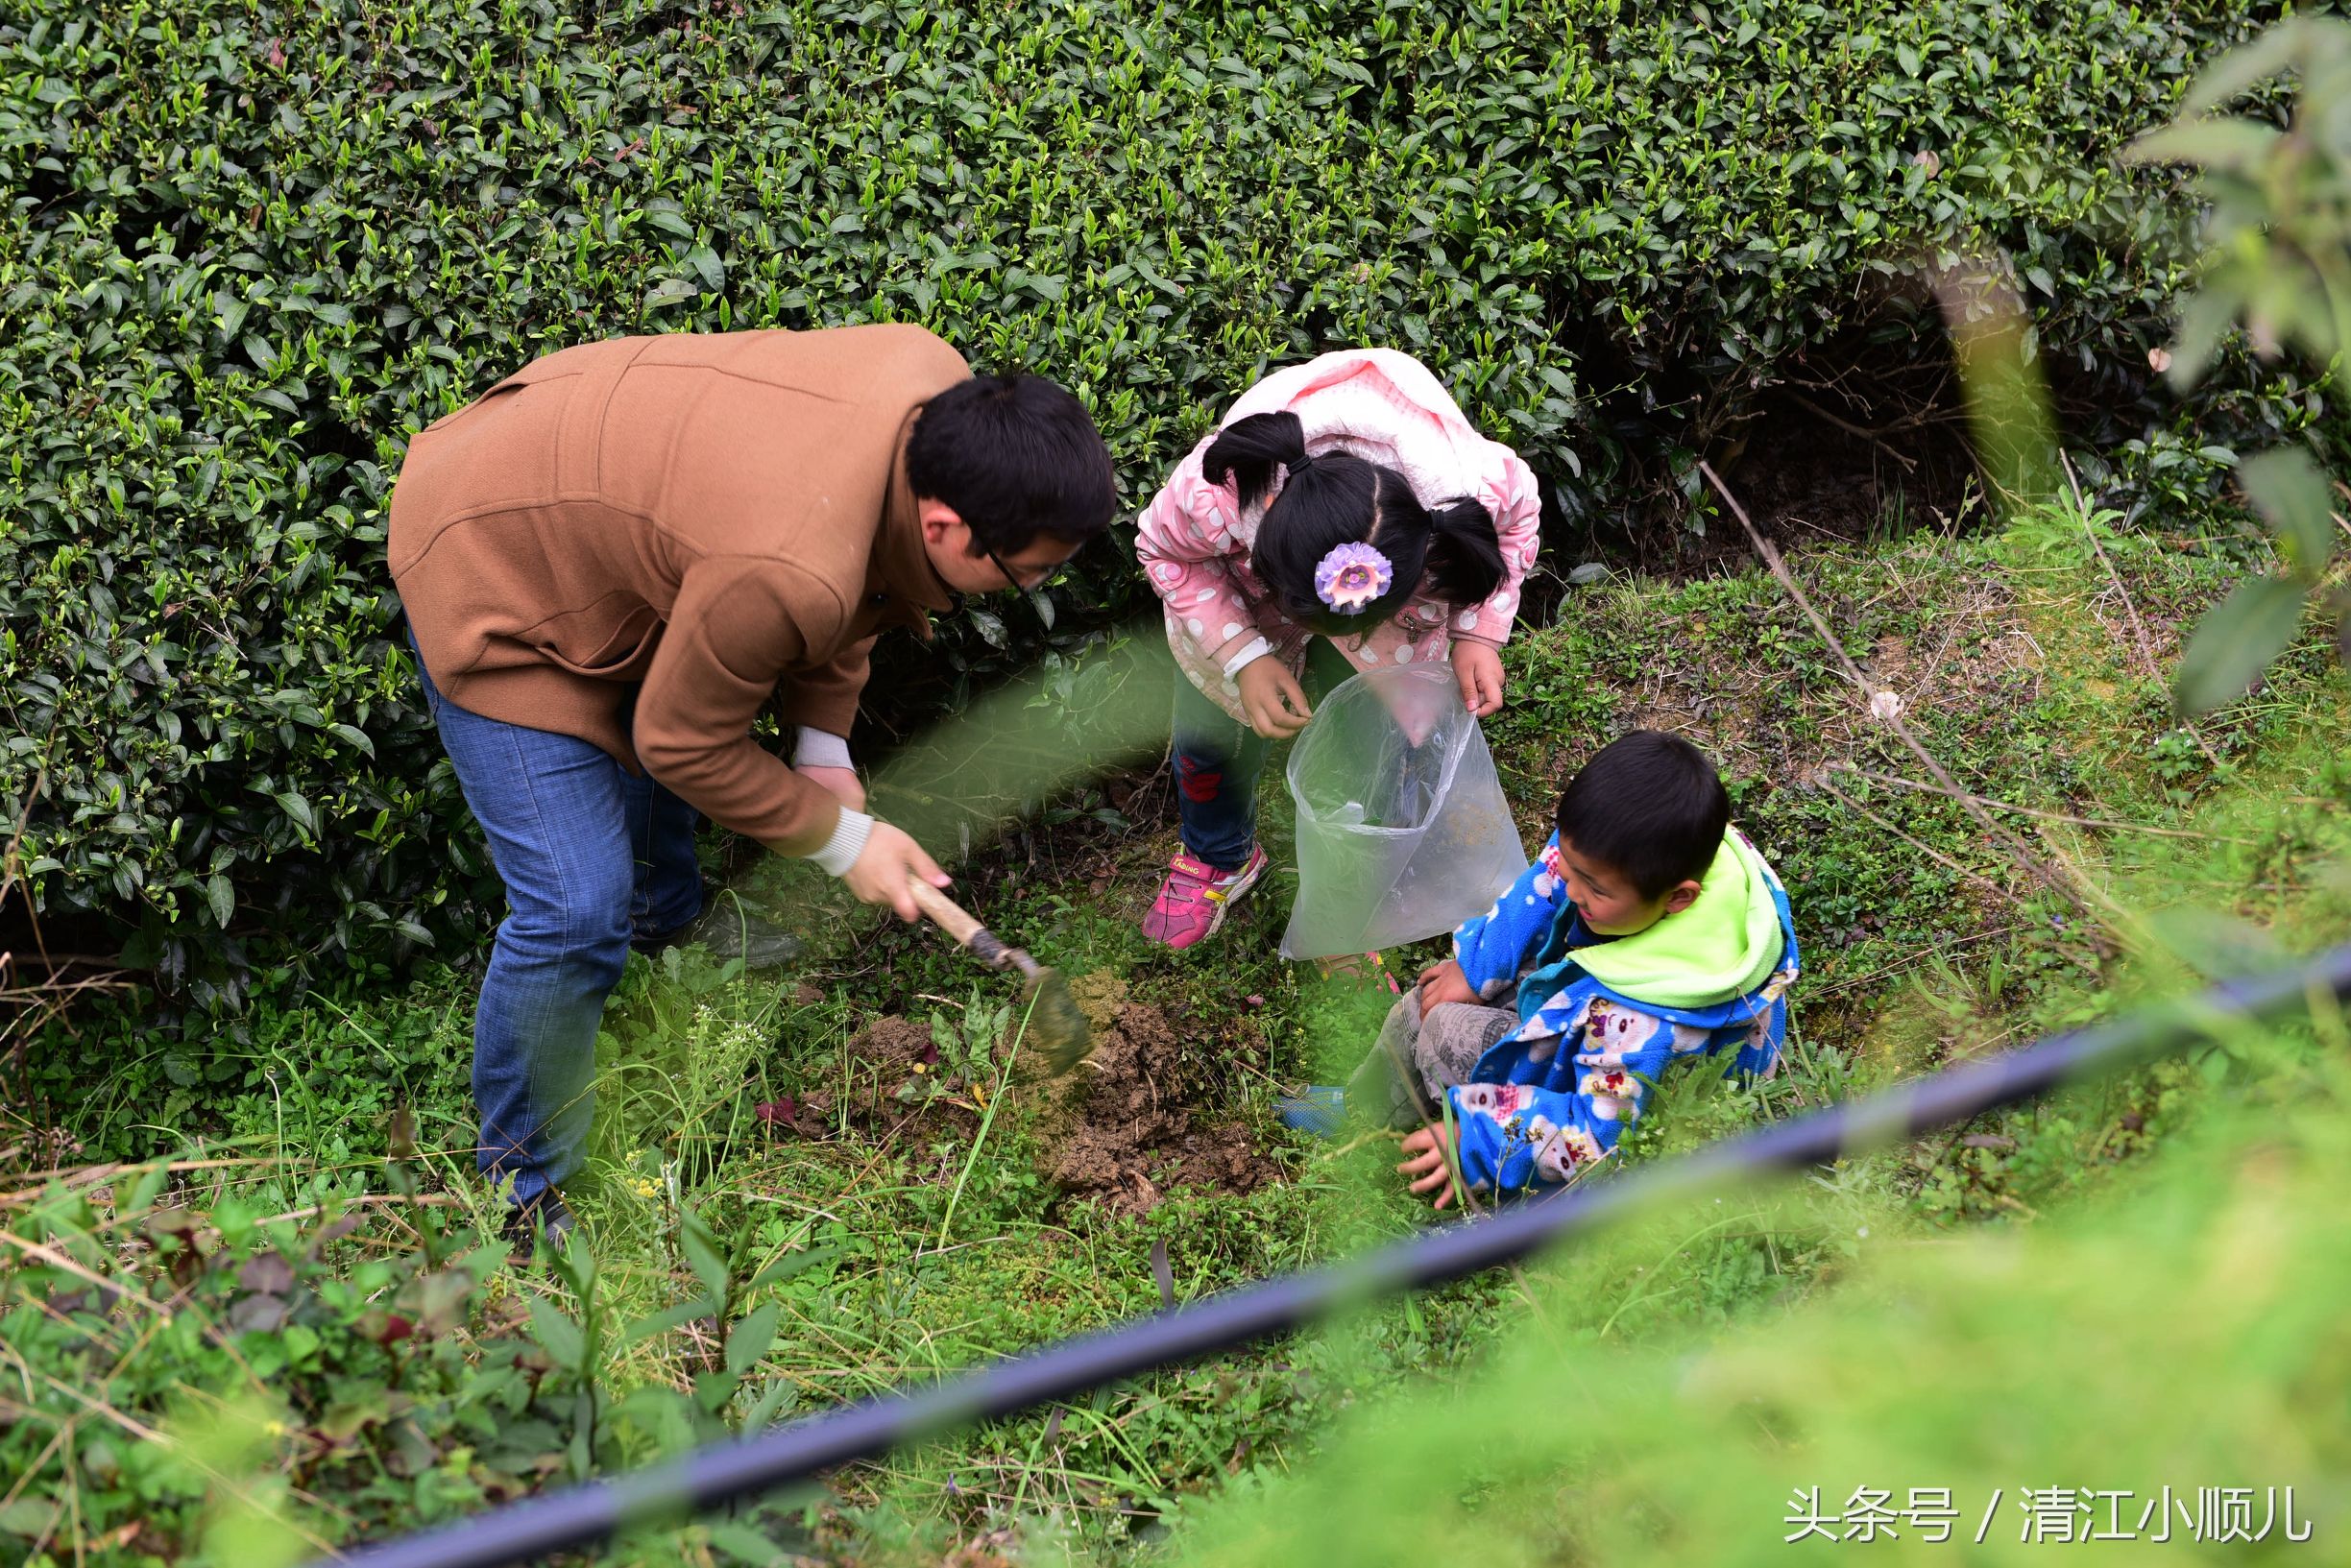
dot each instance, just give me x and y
(944, 912)
(958, 922)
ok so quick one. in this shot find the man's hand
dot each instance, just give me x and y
(1479, 670)
(840, 783)
(1443, 982)
(1431, 1166)
(880, 872)
(1272, 697)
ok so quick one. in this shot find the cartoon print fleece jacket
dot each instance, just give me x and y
(1601, 1019)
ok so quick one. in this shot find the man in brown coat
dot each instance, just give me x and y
(613, 557)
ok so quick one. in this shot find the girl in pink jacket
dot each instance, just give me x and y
(1346, 497)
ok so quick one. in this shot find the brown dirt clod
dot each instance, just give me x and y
(1120, 1128)
(1098, 995)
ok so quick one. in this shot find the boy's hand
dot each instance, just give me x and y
(1443, 982)
(1431, 1166)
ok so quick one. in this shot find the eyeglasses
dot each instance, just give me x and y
(1013, 579)
(1033, 577)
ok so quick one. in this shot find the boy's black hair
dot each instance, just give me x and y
(1016, 456)
(1650, 806)
(1338, 498)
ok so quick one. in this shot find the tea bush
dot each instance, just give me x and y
(249, 247)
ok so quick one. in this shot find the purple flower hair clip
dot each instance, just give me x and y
(1351, 577)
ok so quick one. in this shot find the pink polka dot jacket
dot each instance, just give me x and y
(1194, 539)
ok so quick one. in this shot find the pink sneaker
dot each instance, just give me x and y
(1193, 900)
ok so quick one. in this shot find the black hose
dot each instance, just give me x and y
(591, 1512)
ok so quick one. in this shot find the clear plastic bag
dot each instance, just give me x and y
(1402, 831)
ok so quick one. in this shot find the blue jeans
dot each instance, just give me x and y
(1216, 760)
(590, 857)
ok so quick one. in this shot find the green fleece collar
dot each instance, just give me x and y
(1723, 946)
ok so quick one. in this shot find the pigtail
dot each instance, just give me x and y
(1248, 451)
(1465, 553)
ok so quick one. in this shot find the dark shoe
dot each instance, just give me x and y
(724, 931)
(546, 1218)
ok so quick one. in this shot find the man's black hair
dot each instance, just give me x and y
(1649, 806)
(1338, 498)
(1016, 456)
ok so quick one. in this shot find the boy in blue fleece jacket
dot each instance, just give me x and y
(1647, 931)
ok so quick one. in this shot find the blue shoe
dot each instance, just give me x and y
(1318, 1110)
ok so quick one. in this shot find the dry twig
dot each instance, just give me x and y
(1873, 438)
(1923, 848)
(2147, 647)
(2102, 823)
(2027, 859)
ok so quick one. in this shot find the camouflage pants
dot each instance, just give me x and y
(1437, 1050)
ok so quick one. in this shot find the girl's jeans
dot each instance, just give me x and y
(588, 854)
(1218, 758)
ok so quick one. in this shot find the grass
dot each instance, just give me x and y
(2171, 1334)
(2018, 659)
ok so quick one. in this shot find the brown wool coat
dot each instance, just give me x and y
(635, 541)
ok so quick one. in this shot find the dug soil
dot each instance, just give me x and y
(1134, 1122)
